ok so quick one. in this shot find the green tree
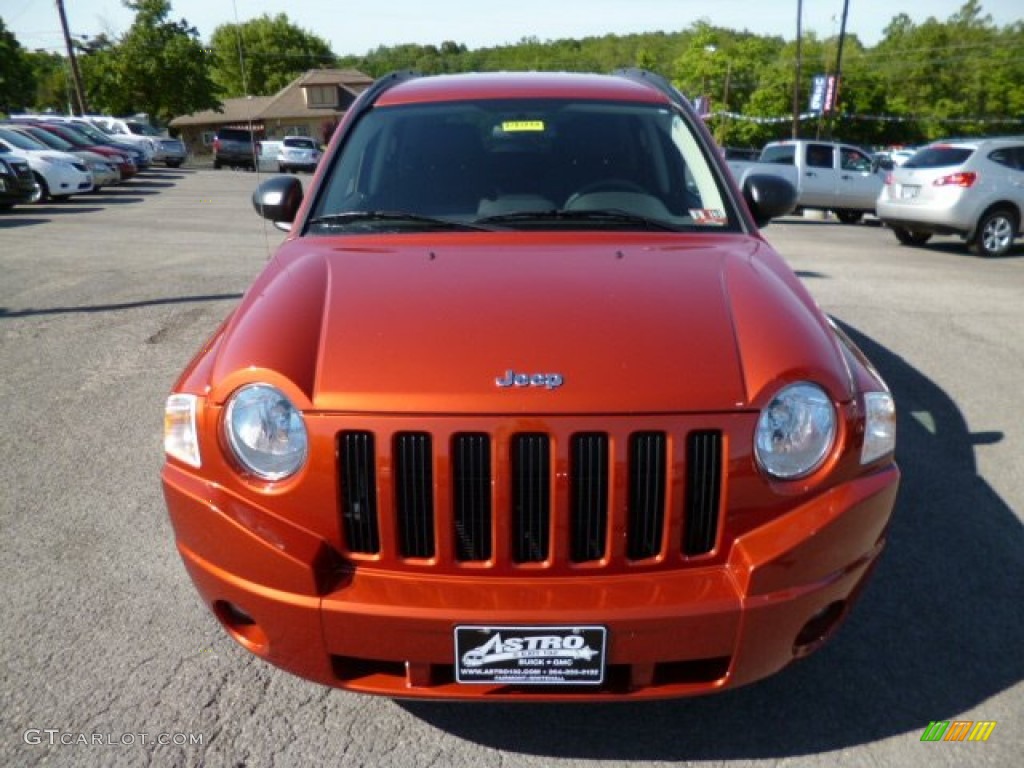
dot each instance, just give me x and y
(17, 79)
(159, 67)
(53, 82)
(273, 50)
(959, 76)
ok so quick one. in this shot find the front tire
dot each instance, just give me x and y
(995, 233)
(42, 192)
(910, 236)
(849, 217)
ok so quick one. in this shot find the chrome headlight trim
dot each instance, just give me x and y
(795, 432)
(266, 432)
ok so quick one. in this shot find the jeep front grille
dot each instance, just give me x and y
(527, 499)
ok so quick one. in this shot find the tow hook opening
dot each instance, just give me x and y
(242, 627)
(819, 628)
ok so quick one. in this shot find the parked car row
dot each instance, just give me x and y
(973, 188)
(53, 158)
(166, 149)
(139, 137)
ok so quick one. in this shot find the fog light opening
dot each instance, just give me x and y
(242, 627)
(820, 627)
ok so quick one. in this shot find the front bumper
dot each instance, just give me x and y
(16, 191)
(170, 153)
(63, 182)
(284, 594)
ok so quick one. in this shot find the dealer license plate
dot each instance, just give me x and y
(530, 655)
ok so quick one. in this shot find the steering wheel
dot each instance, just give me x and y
(607, 185)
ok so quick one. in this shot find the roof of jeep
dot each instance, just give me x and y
(518, 85)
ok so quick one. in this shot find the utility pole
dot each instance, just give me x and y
(839, 66)
(83, 106)
(799, 66)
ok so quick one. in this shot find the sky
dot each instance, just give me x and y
(357, 27)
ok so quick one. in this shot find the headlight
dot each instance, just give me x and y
(879, 426)
(180, 437)
(795, 432)
(266, 432)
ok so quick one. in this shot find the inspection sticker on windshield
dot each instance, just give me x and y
(708, 216)
(530, 655)
(514, 126)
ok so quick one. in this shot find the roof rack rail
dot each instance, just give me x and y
(382, 84)
(656, 81)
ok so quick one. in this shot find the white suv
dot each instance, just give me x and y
(298, 153)
(970, 188)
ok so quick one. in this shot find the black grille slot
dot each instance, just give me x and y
(471, 496)
(646, 494)
(414, 494)
(357, 459)
(531, 497)
(588, 496)
(703, 491)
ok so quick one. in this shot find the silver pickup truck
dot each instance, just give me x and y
(828, 176)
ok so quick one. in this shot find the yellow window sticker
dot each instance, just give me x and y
(513, 126)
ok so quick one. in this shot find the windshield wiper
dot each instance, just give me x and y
(600, 216)
(345, 218)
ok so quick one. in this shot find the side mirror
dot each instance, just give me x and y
(768, 197)
(278, 199)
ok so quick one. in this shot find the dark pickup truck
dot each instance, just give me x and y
(235, 147)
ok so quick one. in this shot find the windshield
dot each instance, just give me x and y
(91, 132)
(524, 164)
(143, 129)
(300, 143)
(69, 135)
(47, 138)
(20, 140)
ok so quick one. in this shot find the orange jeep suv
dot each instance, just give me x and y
(525, 408)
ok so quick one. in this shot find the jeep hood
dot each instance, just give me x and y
(573, 323)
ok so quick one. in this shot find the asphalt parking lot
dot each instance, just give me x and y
(109, 658)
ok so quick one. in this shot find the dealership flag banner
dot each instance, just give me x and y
(823, 93)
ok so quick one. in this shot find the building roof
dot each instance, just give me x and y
(288, 103)
(238, 110)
